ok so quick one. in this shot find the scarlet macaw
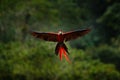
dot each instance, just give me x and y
(60, 38)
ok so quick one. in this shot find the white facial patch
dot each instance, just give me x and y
(60, 32)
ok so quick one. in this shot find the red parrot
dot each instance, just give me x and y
(60, 38)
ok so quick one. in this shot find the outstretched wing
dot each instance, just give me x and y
(75, 34)
(45, 36)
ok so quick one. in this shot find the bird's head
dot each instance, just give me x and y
(60, 32)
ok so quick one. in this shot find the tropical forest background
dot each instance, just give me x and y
(95, 56)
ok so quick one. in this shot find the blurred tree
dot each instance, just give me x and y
(110, 23)
(106, 54)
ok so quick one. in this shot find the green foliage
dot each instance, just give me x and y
(111, 17)
(106, 53)
(110, 21)
(23, 58)
(36, 60)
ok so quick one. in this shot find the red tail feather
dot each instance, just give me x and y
(62, 51)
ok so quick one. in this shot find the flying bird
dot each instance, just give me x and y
(60, 38)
